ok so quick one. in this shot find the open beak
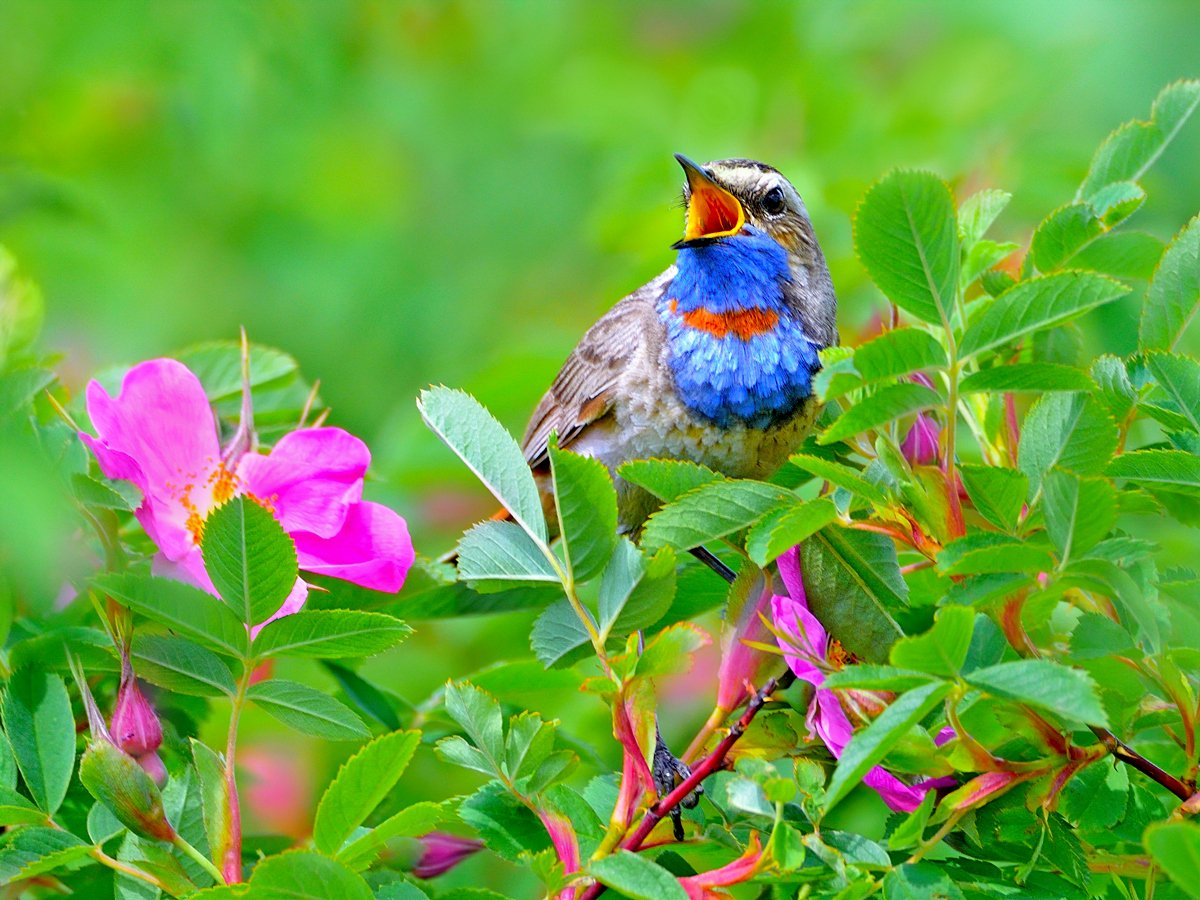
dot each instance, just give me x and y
(713, 212)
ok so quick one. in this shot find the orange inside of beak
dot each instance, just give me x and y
(712, 212)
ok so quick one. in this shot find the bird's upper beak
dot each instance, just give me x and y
(713, 212)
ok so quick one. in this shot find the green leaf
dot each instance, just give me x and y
(478, 714)
(667, 479)
(413, 820)
(8, 763)
(118, 495)
(37, 719)
(783, 528)
(1079, 511)
(1069, 693)
(494, 555)
(840, 476)
(1116, 391)
(1071, 431)
(361, 784)
(997, 493)
(1023, 377)
(977, 213)
(1171, 470)
(636, 877)
(1037, 304)
(307, 710)
(920, 881)
(710, 511)
(941, 650)
(1122, 254)
(182, 608)
(302, 875)
(887, 403)
(31, 851)
(557, 632)
(852, 580)
(1063, 233)
(898, 352)
(635, 591)
(250, 558)
(1129, 151)
(488, 450)
(508, 827)
(869, 746)
(218, 365)
(16, 810)
(1173, 297)
(906, 235)
(670, 651)
(983, 552)
(18, 387)
(1179, 378)
(587, 511)
(330, 634)
(181, 666)
(365, 696)
(1176, 847)
(876, 678)
(214, 800)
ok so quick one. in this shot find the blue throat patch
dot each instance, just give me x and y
(738, 353)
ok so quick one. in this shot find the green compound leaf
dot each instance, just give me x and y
(941, 650)
(302, 875)
(307, 710)
(417, 819)
(1027, 377)
(667, 479)
(478, 714)
(635, 590)
(1176, 847)
(330, 634)
(182, 666)
(32, 850)
(214, 799)
(785, 527)
(898, 352)
(1037, 304)
(1173, 297)
(1071, 431)
(250, 558)
(1171, 470)
(840, 476)
(1179, 378)
(869, 746)
(1069, 693)
(587, 512)
(887, 403)
(906, 235)
(37, 719)
(488, 450)
(557, 632)
(711, 511)
(997, 493)
(636, 877)
(494, 556)
(1079, 511)
(361, 784)
(1064, 233)
(182, 608)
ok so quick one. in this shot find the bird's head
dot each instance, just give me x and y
(725, 196)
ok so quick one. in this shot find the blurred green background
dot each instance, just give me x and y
(402, 194)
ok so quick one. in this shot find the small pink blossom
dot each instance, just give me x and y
(441, 852)
(805, 646)
(920, 444)
(160, 433)
(135, 726)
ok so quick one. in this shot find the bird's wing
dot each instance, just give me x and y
(584, 388)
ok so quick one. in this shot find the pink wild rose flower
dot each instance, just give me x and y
(805, 647)
(160, 433)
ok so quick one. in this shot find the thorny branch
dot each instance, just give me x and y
(1131, 757)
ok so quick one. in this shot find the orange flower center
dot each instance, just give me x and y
(222, 485)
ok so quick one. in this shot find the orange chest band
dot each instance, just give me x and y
(745, 323)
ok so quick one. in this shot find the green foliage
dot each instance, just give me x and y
(41, 733)
(251, 560)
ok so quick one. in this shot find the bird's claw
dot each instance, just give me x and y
(669, 771)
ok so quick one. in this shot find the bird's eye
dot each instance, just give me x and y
(773, 201)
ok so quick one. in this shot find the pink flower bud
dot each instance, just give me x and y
(441, 852)
(135, 726)
(152, 765)
(920, 445)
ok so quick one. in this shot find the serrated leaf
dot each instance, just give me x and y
(920, 881)
(508, 827)
(495, 555)
(218, 365)
(250, 558)
(32, 850)
(1026, 377)
(1079, 511)
(37, 718)
(785, 527)
(667, 479)
(977, 213)
(557, 632)
(119, 495)
(587, 511)
(182, 666)
(887, 403)
(710, 511)
(361, 784)
(214, 800)
(996, 492)
(1063, 233)
(984, 552)
(488, 450)
(635, 590)
(840, 476)
(303, 875)
(182, 608)
(307, 710)
(1071, 431)
(636, 877)
(1179, 378)
(898, 352)
(942, 649)
(478, 714)
(852, 581)
(1116, 391)
(869, 746)
(1173, 297)
(876, 678)
(330, 634)
(1176, 847)
(671, 650)
(366, 697)
(1172, 470)
(414, 820)
(1037, 304)
(1121, 254)
(906, 234)
(1067, 692)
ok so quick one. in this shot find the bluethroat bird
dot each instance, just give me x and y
(713, 360)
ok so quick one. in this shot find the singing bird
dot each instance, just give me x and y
(713, 360)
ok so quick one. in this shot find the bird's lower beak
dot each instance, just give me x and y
(713, 212)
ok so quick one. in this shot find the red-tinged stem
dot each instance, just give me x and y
(700, 771)
(1014, 430)
(231, 860)
(1130, 757)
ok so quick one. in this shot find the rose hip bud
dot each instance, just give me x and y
(441, 852)
(920, 445)
(135, 726)
(115, 779)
